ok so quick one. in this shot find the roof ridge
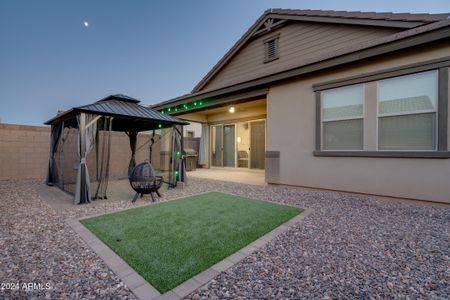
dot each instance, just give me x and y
(406, 16)
(120, 97)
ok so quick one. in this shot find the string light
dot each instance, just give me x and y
(186, 106)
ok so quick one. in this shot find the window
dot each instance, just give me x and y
(407, 112)
(399, 112)
(342, 118)
(190, 134)
(271, 49)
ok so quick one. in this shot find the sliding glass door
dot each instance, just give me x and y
(243, 144)
(257, 144)
(223, 145)
(240, 145)
(216, 146)
(229, 146)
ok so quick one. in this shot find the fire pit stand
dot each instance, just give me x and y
(144, 181)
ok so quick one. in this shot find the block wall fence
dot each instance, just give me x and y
(24, 152)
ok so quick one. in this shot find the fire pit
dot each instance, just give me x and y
(144, 181)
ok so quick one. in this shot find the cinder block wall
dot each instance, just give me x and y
(24, 153)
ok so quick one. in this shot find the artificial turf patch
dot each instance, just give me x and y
(169, 242)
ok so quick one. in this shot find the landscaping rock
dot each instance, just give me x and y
(351, 246)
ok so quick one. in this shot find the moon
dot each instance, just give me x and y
(86, 24)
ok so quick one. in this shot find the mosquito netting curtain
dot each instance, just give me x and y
(87, 151)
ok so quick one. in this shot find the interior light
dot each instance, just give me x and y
(231, 109)
(168, 109)
(195, 103)
(159, 126)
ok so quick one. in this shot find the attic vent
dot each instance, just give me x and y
(271, 49)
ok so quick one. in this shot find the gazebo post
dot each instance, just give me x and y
(182, 169)
(80, 193)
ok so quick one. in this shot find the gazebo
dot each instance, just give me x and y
(74, 168)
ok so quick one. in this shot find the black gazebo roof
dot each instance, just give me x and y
(128, 114)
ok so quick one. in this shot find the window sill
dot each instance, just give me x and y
(385, 154)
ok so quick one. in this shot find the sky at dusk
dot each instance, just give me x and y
(149, 50)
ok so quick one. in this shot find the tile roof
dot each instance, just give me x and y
(343, 111)
(388, 16)
(418, 103)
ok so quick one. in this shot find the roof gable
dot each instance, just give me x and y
(273, 19)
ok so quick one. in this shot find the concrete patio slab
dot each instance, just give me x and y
(254, 177)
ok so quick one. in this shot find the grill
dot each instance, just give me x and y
(144, 181)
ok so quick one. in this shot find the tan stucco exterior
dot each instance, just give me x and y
(291, 117)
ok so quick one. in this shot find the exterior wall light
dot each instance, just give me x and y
(231, 109)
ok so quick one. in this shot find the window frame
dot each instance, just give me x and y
(441, 120)
(362, 117)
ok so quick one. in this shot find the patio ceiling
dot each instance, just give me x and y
(244, 109)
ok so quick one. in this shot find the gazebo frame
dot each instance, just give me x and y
(116, 113)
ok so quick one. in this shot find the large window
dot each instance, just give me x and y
(399, 112)
(342, 118)
(407, 107)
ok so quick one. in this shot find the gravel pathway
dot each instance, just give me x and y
(349, 247)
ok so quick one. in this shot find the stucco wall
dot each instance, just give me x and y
(291, 130)
(24, 153)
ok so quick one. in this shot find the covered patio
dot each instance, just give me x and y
(233, 129)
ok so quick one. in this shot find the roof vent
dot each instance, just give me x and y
(271, 49)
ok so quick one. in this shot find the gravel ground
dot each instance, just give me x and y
(351, 246)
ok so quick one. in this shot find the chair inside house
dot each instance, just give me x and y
(242, 159)
(144, 180)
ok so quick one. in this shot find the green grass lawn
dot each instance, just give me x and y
(170, 242)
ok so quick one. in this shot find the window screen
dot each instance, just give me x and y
(407, 112)
(342, 118)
